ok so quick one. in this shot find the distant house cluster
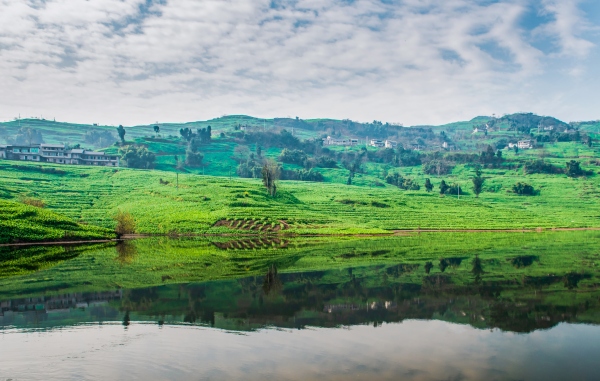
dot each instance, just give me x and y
(57, 153)
(329, 141)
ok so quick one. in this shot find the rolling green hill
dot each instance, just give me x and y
(24, 223)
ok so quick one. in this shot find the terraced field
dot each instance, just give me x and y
(209, 204)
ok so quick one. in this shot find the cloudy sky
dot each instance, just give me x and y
(410, 61)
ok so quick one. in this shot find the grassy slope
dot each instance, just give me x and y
(93, 195)
(23, 223)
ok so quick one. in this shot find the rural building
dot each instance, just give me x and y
(377, 143)
(525, 144)
(391, 144)
(57, 153)
(329, 141)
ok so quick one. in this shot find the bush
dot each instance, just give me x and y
(401, 182)
(540, 166)
(125, 223)
(33, 202)
(293, 156)
(437, 167)
(523, 189)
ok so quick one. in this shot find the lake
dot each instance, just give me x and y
(432, 306)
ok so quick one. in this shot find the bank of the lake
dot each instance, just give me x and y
(162, 203)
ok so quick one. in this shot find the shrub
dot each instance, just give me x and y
(437, 167)
(523, 189)
(125, 223)
(540, 166)
(33, 202)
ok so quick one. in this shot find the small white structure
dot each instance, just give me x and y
(445, 145)
(329, 141)
(391, 144)
(525, 144)
(377, 143)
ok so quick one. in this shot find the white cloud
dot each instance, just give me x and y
(413, 62)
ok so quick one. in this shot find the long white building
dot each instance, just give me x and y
(56, 153)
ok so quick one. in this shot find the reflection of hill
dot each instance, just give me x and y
(367, 295)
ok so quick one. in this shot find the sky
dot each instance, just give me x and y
(411, 62)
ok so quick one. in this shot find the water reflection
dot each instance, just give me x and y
(353, 296)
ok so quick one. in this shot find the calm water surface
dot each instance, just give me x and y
(410, 308)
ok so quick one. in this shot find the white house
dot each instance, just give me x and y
(377, 143)
(391, 144)
(329, 141)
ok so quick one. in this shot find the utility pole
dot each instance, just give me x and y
(177, 173)
(458, 185)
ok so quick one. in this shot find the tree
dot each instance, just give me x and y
(270, 174)
(125, 223)
(258, 151)
(121, 132)
(523, 189)
(428, 185)
(156, 130)
(478, 181)
(137, 157)
(186, 133)
(29, 136)
(443, 187)
(573, 169)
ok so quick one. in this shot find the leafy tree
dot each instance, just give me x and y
(428, 185)
(125, 223)
(156, 130)
(523, 189)
(29, 136)
(478, 181)
(137, 157)
(443, 187)
(193, 158)
(258, 151)
(186, 133)
(270, 174)
(437, 167)
(121, 132)
(99, 138)
(293, 156)
(574, 169)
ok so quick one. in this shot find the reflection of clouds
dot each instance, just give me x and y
(413, 350)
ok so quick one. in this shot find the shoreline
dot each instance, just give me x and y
(391, 233)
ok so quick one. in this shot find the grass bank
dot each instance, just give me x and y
(24, 223)
(163, 203)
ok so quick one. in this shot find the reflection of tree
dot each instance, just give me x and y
(443, 264)
(272, 283)
(126, 320)
(523, 261)
(428, 267)
(571, 280)
(477, 269)
(126, 252)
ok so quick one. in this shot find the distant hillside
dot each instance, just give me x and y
(239, 143)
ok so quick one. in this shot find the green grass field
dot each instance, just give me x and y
(24, 223)
(209, 204)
